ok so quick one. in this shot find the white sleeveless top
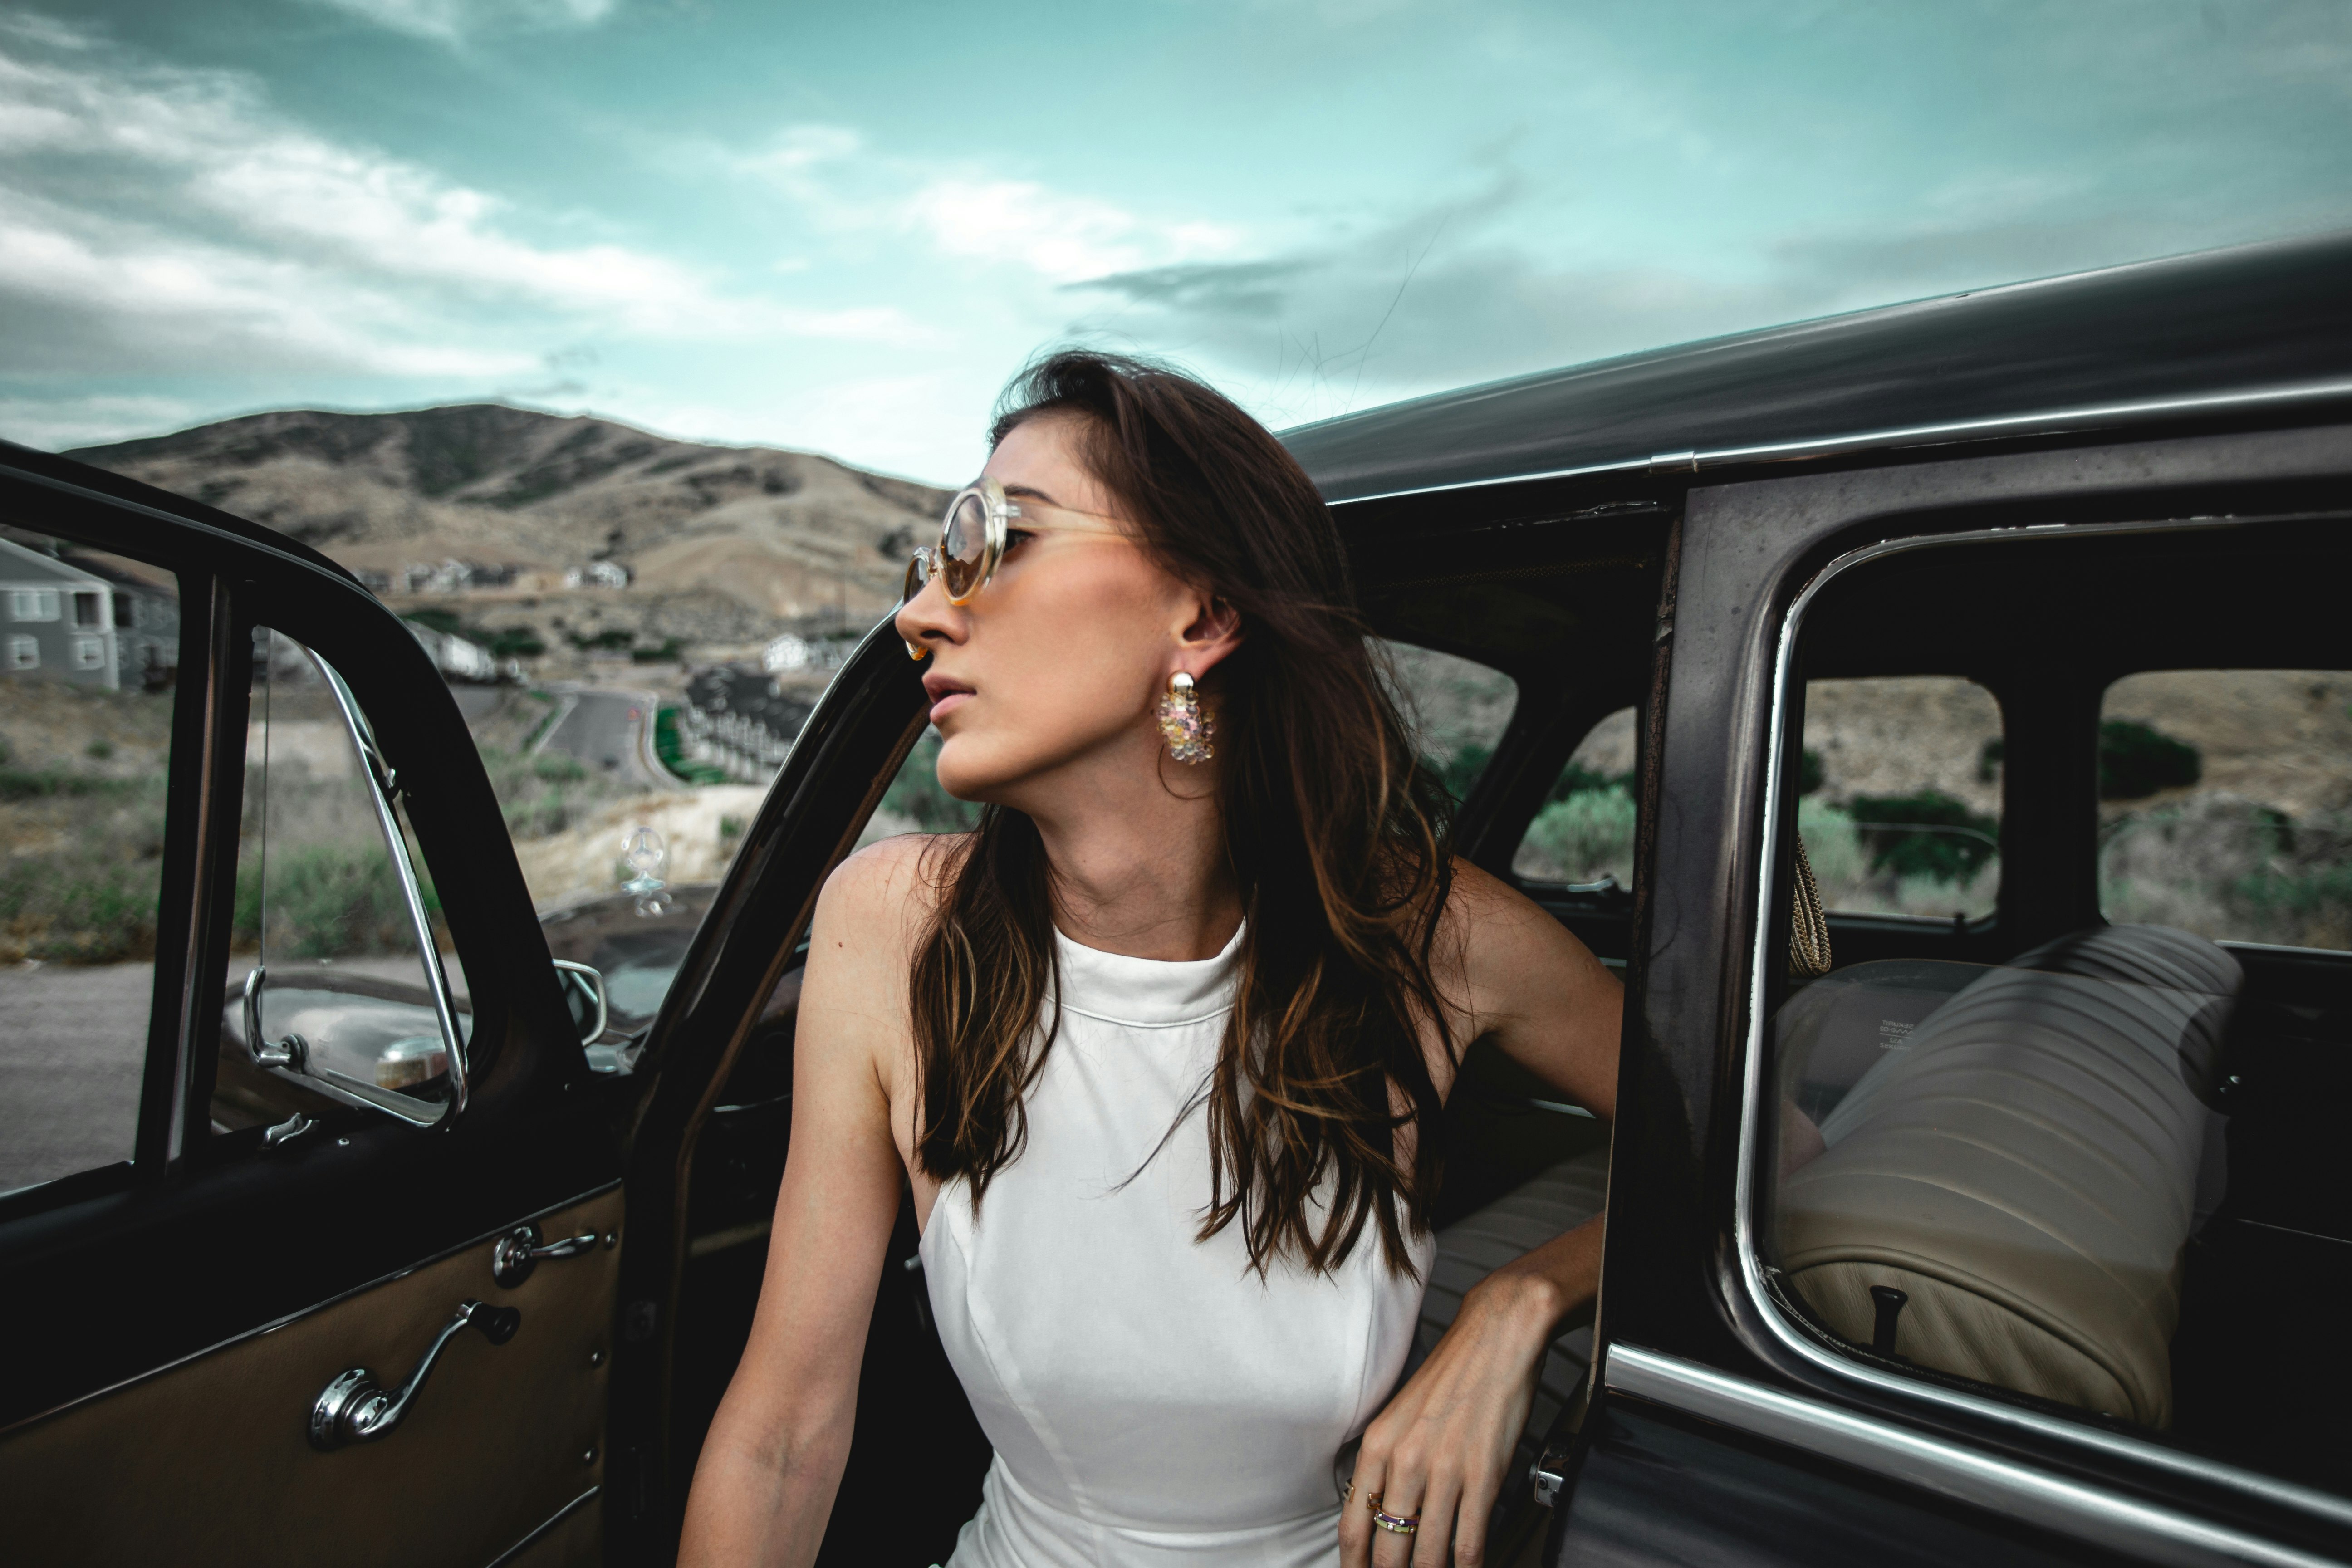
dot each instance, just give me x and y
(1150, 1399)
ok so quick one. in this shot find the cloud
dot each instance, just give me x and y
(161, 219)
(966, 211)
(450, 21)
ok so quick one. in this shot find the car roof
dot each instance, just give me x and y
(2252, 325)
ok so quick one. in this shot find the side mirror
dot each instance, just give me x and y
(583, 992)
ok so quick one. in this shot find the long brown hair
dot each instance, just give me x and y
(1338, 840)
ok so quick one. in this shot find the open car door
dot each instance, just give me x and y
(305, 1256)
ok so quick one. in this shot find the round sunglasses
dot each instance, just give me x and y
(972, 538)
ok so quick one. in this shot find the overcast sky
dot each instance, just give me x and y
(841, 226)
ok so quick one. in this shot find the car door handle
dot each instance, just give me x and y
(518, 1252)
(355, 1408)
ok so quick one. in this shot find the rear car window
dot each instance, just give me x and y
(1583, 834)
(1456, 708)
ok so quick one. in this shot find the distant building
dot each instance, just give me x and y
(789, 652)
(80, 621)
(597, 575)
(456, 657)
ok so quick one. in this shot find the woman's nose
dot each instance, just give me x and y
(927, 619)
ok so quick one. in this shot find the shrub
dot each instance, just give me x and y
(2136, 761)
(517, 642)
(326, 901)
(1459, 771)
(1586, 837)
(1810, 772)
(1954, 845)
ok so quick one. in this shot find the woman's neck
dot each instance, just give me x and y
(1139, 867)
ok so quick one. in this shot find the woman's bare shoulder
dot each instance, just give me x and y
(1507, 949)
(877, 901)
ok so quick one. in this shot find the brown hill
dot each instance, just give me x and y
(782, 534)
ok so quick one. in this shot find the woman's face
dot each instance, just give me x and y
(1054, 667)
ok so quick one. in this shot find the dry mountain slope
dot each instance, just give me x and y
(782, 533)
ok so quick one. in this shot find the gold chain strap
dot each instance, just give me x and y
(1809, 928)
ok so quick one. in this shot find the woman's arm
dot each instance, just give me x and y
(764, 1486)
(1442, 1447)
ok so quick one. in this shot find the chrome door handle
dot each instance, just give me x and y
(518, 1252)
(355, 1409)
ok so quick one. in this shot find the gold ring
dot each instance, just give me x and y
(1397, 1523)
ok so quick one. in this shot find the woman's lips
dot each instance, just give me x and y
(947, 694)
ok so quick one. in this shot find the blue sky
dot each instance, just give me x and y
(841, 227)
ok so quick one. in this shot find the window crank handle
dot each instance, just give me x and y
(355, 1409)
(519, 1251)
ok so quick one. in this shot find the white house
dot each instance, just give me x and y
(77, 620)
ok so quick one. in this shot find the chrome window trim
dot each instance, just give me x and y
(2046, 422)
(2038, 1499)
(403, 1272)
(2326, 1507)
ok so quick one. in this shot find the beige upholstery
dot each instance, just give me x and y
(209, 1462)
(1522, 1220)
(2024, 1168)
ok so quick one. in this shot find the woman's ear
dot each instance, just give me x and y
(1214, 631)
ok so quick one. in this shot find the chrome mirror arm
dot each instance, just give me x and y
(291, 1054)
(355, 1409)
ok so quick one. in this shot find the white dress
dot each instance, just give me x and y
(1150, 1399)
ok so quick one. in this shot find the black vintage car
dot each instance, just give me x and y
(1939, 715)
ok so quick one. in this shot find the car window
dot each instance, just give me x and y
(2081, 1154)
(1456, 707)
(86, 699)
(2225, 804)
(323, 938)
(1583, 833)
(1900, 780)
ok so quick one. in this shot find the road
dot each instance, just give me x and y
(606, 729)
(71, 1055)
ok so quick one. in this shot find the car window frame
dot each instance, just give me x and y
(2017, 1415)
(156, 1144)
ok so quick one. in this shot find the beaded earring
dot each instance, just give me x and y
(1184, 724)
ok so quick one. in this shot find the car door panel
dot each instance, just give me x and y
(500, 1439)
(189, 1308)
(1656, 1480)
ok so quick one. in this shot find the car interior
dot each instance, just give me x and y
(1569, 639)
(2079, 1151)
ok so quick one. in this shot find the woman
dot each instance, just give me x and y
(1160, 1045)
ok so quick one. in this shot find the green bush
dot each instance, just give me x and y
(326, 901)
(91, 900)
(2136, 761)
(1457, 773)
(1811, 773)
(546, 791)
(1889, 825)
(1586, 837)
(517, 642)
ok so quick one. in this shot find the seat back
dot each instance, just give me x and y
(2023, 1168)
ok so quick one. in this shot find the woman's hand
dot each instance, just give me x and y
(1442, 1449)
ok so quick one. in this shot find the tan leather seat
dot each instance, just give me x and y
(2024, 1168)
